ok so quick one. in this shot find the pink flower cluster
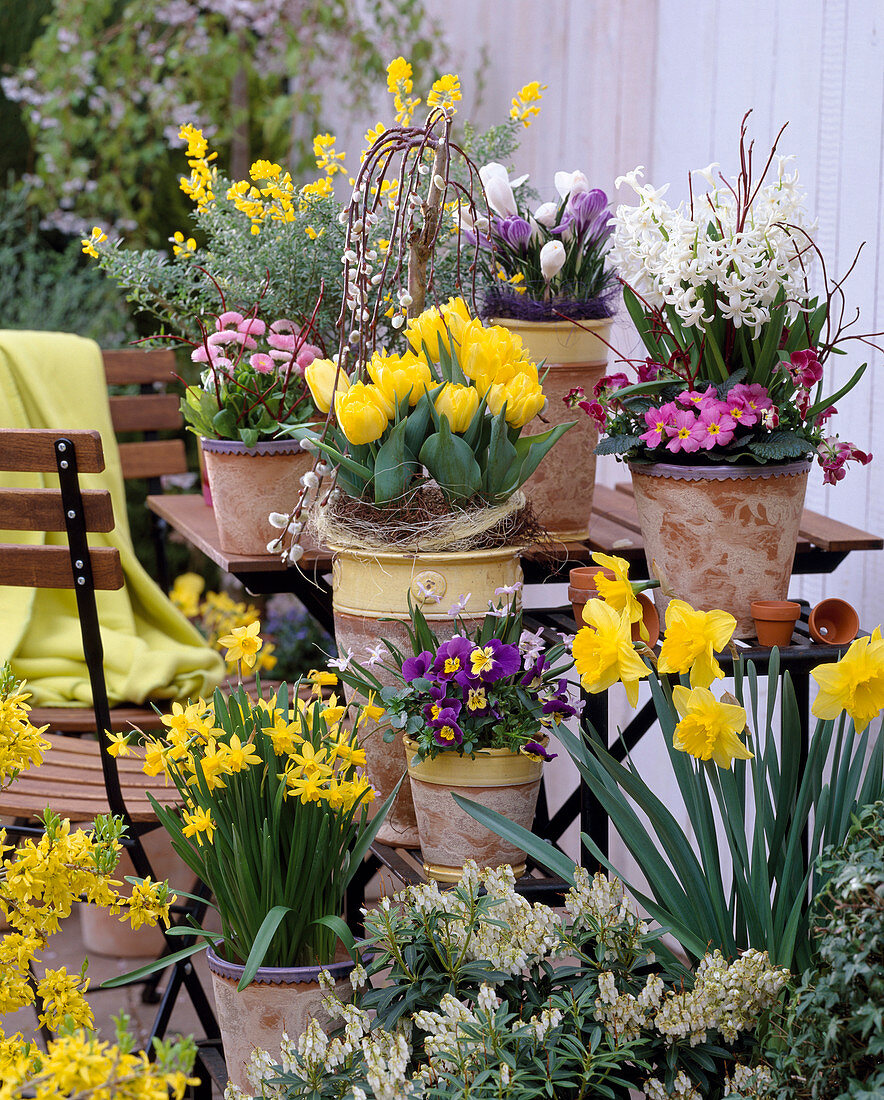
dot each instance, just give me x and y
(833, 455)
(236, 333)
(700, 419)
(805, 370)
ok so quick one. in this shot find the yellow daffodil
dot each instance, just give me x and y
(854, 684)
(458, 404)
(603, 651)
(325, 382)
(118, 744)
(691, 640)
(186, 592)
(242, 643)
(240, 756)
(361, 413)
(197, 823)
(617, 591)
(708, 728)
(307, 787)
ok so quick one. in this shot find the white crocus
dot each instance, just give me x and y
(546, 214)
(552, 259)
(499, 188)
(571, 183)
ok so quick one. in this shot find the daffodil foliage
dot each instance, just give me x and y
(453, 407)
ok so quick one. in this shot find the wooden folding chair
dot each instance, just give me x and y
(80, 778)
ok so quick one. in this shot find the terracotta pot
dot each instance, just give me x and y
(720, 536)
(280, 1000)
(561, 488)
(775, 621)
(370, 602)
(504, 781)
(650, 618)
(104, 934)
(247, 484)
(833, 622)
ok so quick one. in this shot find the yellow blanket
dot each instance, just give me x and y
(54, 380)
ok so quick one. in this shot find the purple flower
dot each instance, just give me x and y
(535, 750)
(495, 660)
(533, 674)
(559, 707)
(445, 729)
(440, 706)
(587, 216)
(415, 668)
(515, 232)
(453, 657)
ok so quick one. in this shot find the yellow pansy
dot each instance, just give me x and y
(360, 413)
(691, 639)
(708, 728)
(325, 382)
(603, 651)
(458, 404)
(854, 684)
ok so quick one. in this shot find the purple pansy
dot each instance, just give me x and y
(495, 660)
(453, 657)
(415, 668)
(536, 750)
(441, 705)
(445, 729)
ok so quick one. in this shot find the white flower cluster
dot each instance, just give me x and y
(624, 1015)
(682, 1089)
(748, 1081)
(600, 906)
(682, 256)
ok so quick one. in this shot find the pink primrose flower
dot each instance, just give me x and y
(694, 398)
(754, 395)
(686, 433)
(658, 420)
(718, 426)
(740, 410)
(805, 368)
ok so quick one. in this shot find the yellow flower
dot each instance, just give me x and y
(327, 160)
(325, 382)
(708, 728)
(321, 678)
(89, 243)
(240, 756)
(242, 643)
(435, 327)
(618, 593)
(523, 396)
(307, 787)
(524, 102)
(690, 639)
(186, 592)
(118, 744)
(398, 377)
(445, 92)
(603, 651)
(360, 413)
(197, 823)
(458, 404)
(854, 684)
(374, 134)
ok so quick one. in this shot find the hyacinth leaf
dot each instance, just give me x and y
(394, 466)
(502, 467)
(532, 449)
(637, 315)
(816, 409)
(765, 355)
(451, 463)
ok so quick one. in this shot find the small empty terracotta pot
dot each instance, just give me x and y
(650, 618)
(774, 621)
(833, 622)
(583, 576)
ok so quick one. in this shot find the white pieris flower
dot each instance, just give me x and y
(552, 259)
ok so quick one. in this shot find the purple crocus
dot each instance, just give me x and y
(537, 752)
(495, 660)
(514, 231)
(587, 215)
(453, 657)
(415, 668)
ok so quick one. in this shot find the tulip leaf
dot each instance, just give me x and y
(418, 421)
(503, 461)
(532, 448)
(474, 430)
(345, 461)
(451, 463)
(394, 466)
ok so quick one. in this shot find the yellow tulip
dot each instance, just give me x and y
(400, 376)
(320, 376)
(458, 405)
(438, 326)
(360, 413)
(524, 400)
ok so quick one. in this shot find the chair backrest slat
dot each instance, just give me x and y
(136, 366)
(33, 450)
(145, 412)
(41, 510)
(50, 567)
(153, 458)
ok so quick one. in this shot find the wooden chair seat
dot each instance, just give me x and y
(71, 782)
(80, 720)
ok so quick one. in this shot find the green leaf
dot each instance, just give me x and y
(394, 467)
(451, 463)
(502, 464)
(262, 942)
(342, 932)
(157, 964)
(617, 444)
(532, 449)
(781, 444)
(224, 424)
(816, 409)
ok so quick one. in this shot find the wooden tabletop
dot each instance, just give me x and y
(614, 529)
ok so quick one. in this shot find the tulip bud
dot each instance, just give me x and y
(320, 377)
(458, 404)
(552, 259)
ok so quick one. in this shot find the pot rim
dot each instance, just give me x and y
(517, 323)
(775, 611)
(278, 975)
(720, 473)
(427, 556)
(261, 448)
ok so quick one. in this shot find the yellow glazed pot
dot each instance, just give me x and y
(370, 587)
(505, 781)
(561, 487)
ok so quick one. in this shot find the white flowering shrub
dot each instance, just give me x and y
(476, 991)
